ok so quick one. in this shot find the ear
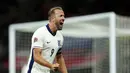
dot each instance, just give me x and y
(53, 17)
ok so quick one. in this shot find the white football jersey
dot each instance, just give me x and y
(50, 44)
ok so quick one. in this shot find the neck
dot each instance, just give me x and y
(52, 27)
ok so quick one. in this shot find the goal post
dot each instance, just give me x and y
(90, 43)
(112, 42)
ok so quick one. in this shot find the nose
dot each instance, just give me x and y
(63, 18)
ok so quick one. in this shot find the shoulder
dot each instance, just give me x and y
(40, 31)
(59, 34)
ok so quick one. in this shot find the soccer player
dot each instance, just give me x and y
(46, 45)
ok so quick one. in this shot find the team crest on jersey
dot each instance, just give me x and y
(35, 39)
(59, 42)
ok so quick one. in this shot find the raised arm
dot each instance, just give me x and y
(40, 60)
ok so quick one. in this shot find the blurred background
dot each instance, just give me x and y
(18, 11)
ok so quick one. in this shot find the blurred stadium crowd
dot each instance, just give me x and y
(18, 11)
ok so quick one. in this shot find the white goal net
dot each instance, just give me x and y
(98, 43)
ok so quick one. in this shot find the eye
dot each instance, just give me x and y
(61, 15)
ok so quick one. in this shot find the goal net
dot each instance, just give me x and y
(98, 43)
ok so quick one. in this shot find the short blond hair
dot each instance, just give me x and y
(52, 11)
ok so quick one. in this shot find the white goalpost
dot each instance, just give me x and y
(97, 35)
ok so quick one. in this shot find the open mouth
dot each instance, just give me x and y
(61, 23)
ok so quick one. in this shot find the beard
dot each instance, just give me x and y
(59, 25)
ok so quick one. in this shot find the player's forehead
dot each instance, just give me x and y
(59, 12)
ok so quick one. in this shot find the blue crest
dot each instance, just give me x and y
(59, 42)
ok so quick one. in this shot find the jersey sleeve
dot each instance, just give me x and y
(59, 51)
(37, 40)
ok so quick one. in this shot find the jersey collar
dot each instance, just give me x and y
(48, 28)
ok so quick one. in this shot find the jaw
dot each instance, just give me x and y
(59, 25)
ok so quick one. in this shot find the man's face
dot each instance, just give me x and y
(59, 19)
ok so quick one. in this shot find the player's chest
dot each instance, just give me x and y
(52, 42)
